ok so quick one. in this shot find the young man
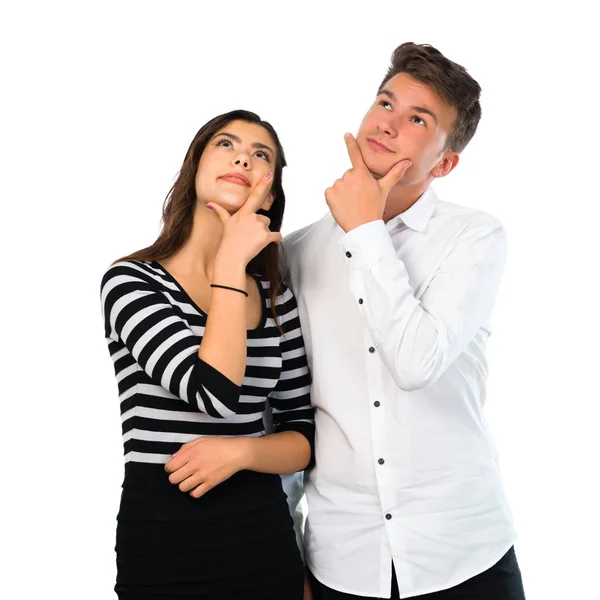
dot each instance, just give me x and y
(395, 291)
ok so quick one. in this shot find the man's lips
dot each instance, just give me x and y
(236, 178)
(377, 145)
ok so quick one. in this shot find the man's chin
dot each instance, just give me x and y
(374, 168)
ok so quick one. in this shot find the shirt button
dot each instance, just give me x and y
(388, 516)
(349, 254)
(371, 349)
(376, 404)
(360, 300)
(381, 461)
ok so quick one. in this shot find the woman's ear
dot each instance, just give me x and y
(268, 202)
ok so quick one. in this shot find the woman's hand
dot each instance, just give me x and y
(308, 595)
(245, 233)
(201, 465)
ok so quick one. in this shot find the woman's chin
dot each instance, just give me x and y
(229, 202)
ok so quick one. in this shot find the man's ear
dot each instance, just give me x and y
(446, 165)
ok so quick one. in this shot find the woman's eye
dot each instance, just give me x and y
(226, 143)
(419, 121)
(263, 155)
(385, 104)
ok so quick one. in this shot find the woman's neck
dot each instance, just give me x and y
(196, 258)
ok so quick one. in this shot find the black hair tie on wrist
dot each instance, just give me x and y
(226, 287)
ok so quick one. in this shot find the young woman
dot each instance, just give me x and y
(203, 335)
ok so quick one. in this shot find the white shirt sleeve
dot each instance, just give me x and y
(293, 486)
(419, 338)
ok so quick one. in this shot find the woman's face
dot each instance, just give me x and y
(235, 159)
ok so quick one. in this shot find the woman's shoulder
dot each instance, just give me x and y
(142, 273)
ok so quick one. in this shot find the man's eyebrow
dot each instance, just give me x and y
(425, 111)
(418, 109)
(236, 139)
(387, 93)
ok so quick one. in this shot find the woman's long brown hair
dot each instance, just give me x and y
(180, 204)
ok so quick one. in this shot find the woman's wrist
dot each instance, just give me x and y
(230, 271)
(246, 453)
(228, 259)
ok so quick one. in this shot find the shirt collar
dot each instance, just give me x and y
(417, 216)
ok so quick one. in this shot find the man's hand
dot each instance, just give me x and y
(358, 198)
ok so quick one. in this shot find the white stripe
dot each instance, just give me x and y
(200, 403)
(160, 414)
(146, 457)
(197, 330)
(260, 382)
(184, 383)
(127, 372)
(252, 399)
(287, 395)
(151, 389)
(262, 342)
(137, 317)
(159, 277)
(282, 298)
(186, 307)
(218, 405)
(293, 373)
(120, 302)
(149, 334)
(174, 363)
(270, 322)
(127, 393)
(128, 414)
(114, 282)
(292, 335)
(162, 348)
(159, 436)
(263, 361)
(297, 352)
(288, 317)
(119, 354)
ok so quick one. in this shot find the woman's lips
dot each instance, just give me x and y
(236, 178)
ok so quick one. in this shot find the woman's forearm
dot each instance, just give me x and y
(280, 453)
(224, 343)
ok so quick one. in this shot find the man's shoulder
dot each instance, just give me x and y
(465, 217)
(306, 234)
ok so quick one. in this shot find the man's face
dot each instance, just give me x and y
(407, 120)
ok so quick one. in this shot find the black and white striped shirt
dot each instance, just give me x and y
(168, 395)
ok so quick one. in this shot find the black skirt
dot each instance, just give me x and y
(235, 542)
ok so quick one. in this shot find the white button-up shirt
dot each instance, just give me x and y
(396, 319)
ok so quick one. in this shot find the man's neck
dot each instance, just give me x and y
(401, 198)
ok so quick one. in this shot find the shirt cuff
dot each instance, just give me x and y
(367, 243)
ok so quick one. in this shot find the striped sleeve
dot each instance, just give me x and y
(140, 317)
(290, 399)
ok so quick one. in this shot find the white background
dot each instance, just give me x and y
(99, 103)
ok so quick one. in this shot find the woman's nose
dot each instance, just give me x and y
(242, 161)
